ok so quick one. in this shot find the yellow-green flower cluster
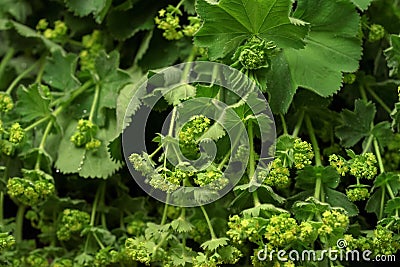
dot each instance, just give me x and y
(63, 263)
(6, 102)
(278, 174)
(138, 250)
(58, 32)
(169, 23)
(35, 260)
(6, 241)
(85, 135)
(241, 229)
(281, 230)
(339, 164)
(363, 166)
(303, 153)
(72, 222)
(17, 133)
(196, 126)
(332, 220)
(93, 45)
(358, 193)
(376, 32)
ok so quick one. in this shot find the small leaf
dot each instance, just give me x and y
(392, 206)
(373, 203)
(356, 124)
(303, 210)
(84, 8)
(362, 4)
(307, 177)
(181, 226)
(32, 103)
(179, 93)
(215, 132)
(269, 208)
(215, 243)
(338, 199)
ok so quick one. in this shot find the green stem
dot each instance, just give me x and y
(94, 103)
(1, 207)
(36, 123)
(379, 100)
(379, 157)
(7, 57)
(284, 126)
(382, 203)
(298, 124)
(41, 70)
(98, 241)
(363, 94)
(164, 217)
(318, 192)
(42, 144)
(390, 191)
(95, 204)
(210, 227)
(155, 152)
(256, 199)
(21, 76)
(251, 168)
(74, 94)
(19, 223)
(368, 145)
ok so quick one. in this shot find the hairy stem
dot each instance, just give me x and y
(42, 144)
(284, 126)
(298, 124)
(94, 103)
(21, 76)
(19, 223)
(7, 57)
(164, 217)
(210, 227)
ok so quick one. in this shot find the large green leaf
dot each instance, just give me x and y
(393, 55)
(60, 71)
(332, 45)
(362, 4)
(229, 22)
(356, 124)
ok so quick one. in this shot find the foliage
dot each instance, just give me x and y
(330, 70)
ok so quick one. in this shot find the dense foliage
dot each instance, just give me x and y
(330, 70)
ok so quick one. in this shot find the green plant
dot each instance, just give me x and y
(69, 72)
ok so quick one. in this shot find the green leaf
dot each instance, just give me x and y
(215, 132)
(332, 46)
(181, 226)
(215, 243)
(179, 93)
(303, 210)
(356, 124)
(32, 103)
(388, 179)
(392, 55)
(396, 117)
(383, 133)
(362, 4)
(25, 31)
(111, 81)
(392, 206)
(60, 70)
(307, 177)
(373, 203)
(269, 208)
(229, 22)
(94, 163)
(338, 199)
(124, 24)
(280, 85)
(84, 8)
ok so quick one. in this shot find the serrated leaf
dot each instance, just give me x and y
(303, 210)
(229, 22)
(356, 124)
(269, 208)
(111, 81)
(32, 103)
(332, 46)
(179, 93)
(307, 177)
(215, 132)
(84, 8)
(392, 206)
(215, 243)
(280, 85)
(362, 4)
(392, 55)
(383, 133)
(181, 226)
(94, 164)
(60, 70)
(124, 24)
(25, 31)
(396, 117)
(388, 179)
(338, 199)
(373, 203)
